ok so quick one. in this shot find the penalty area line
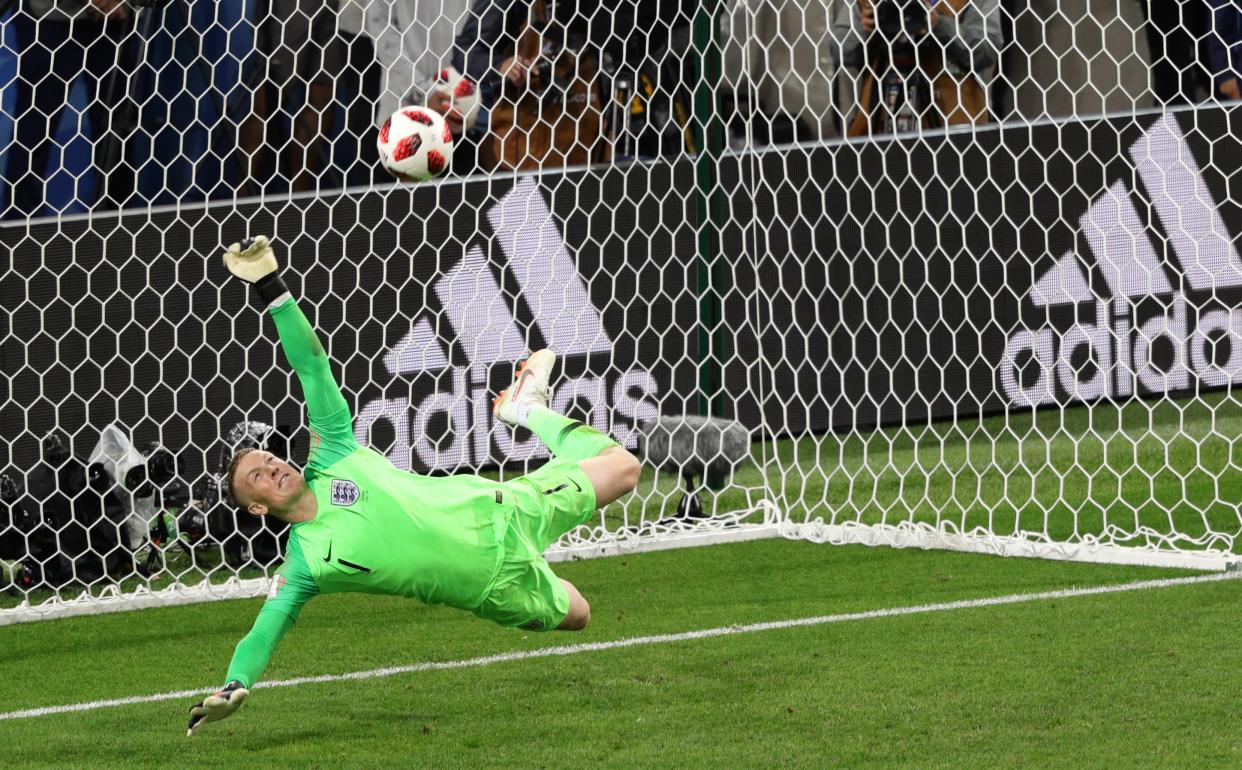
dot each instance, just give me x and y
(638, 641)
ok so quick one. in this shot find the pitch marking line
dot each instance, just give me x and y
(574, 649)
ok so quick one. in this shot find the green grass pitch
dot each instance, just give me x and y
(1123, 680)
(1138, 679)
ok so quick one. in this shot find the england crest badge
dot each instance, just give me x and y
(344, 492)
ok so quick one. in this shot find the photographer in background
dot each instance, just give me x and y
(921, 65)
(540, 84)
(298, 57)
(413, 43)
(1174, 30)
(543, 69)
(61, 43)
(1224, 44)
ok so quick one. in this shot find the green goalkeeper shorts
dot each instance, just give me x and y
(549, 502)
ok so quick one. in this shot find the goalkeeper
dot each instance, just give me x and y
(360, 524)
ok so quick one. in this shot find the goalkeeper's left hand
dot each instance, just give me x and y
(254, 261)
(216, 706)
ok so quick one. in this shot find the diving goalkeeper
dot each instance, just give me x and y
(360, 524)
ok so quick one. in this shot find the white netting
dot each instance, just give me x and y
(966, 274)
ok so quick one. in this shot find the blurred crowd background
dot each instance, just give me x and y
(107, 104)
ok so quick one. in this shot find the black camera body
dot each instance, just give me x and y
(543, 71)
(62, 520)
(900, 53)
(902, 21)
(545, 78)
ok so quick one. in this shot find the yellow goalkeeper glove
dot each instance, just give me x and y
(216, 706)
(254, 261)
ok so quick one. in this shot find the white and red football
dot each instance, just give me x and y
(465, 95)
(415, 143)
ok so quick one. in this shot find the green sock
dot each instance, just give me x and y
(566, 437)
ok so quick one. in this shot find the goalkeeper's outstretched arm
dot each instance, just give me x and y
(249, 659)
(255, 262)
(290, 591)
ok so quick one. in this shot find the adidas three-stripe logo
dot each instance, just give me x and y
(478, 320)
(478, 310)
(1155, 323)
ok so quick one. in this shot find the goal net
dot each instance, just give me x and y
(966, 276)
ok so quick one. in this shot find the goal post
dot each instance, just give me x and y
(1023, 358)
(1011, 337)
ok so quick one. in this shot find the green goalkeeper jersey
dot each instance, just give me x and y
(377, 529)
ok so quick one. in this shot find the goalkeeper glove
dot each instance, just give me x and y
(217, 706)
(254, 261)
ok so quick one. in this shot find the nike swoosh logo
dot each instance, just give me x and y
(559, 487)
(329, 556)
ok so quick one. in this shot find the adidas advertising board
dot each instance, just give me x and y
(451, 426)
(861, 284)
(1148, 302)
(426, 298)
(971, 273)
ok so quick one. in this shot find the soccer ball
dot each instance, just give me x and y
(465, 96)
(415, 143)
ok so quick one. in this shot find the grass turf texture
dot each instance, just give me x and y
(1137, 679)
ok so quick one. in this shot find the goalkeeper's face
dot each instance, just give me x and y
(264, 483)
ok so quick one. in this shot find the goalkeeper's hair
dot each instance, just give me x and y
(228, 476)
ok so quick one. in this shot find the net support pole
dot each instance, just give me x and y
(709, 139)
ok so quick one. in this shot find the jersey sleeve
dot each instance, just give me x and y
(292, 587)
(331, 424)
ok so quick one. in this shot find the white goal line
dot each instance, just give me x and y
(637, 641)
